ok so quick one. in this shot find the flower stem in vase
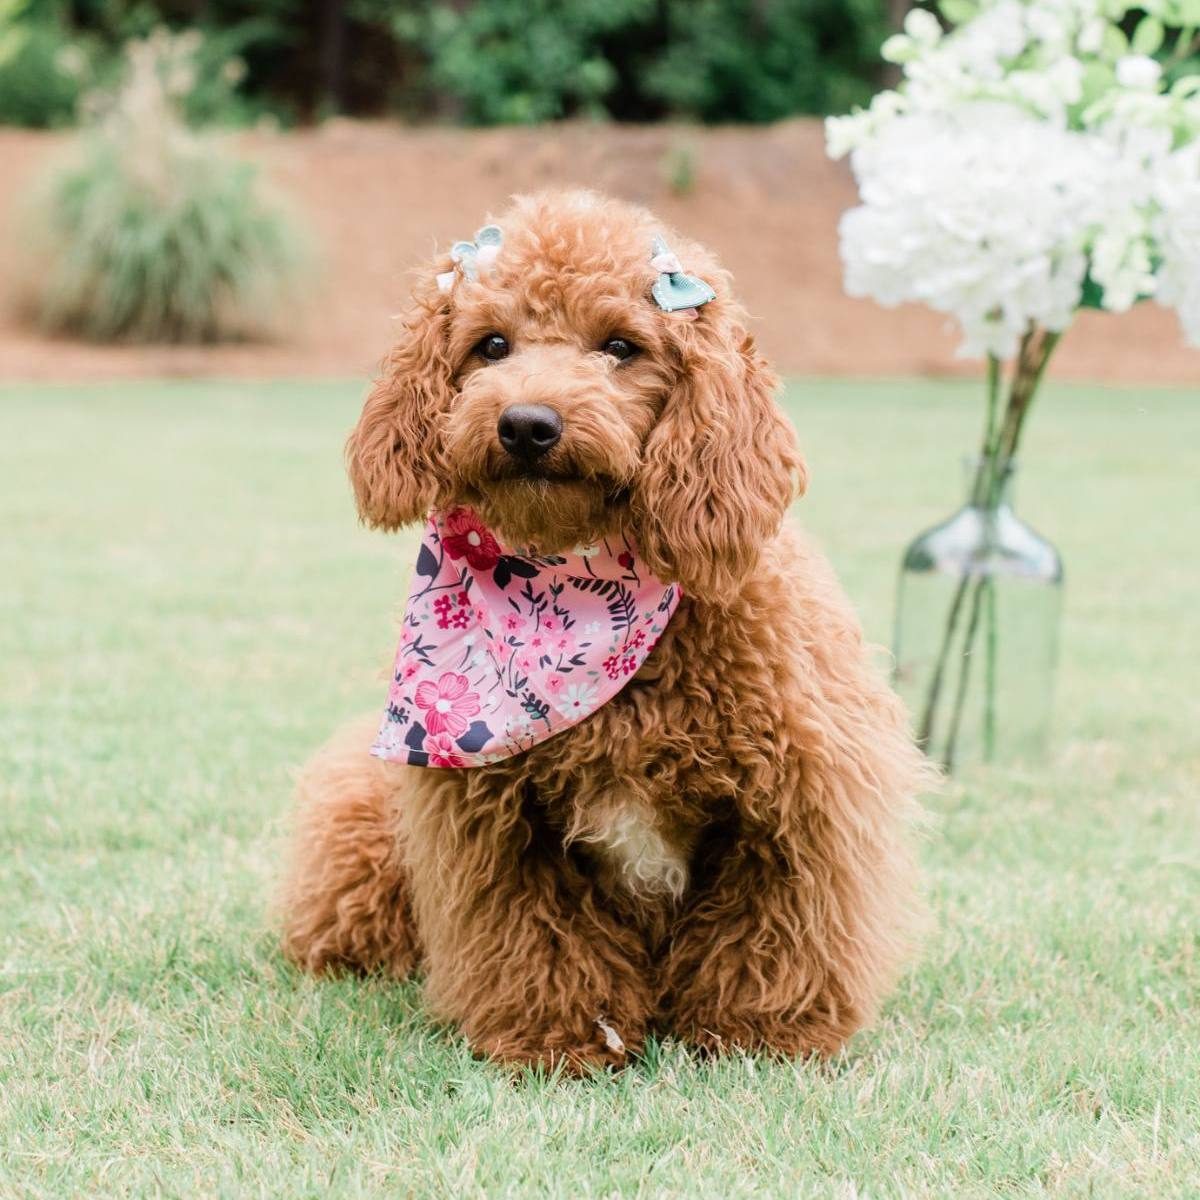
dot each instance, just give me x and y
(929, 713)
(999, 445)
(989, 695)
(964, 673)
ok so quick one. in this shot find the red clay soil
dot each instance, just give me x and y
(379, 197)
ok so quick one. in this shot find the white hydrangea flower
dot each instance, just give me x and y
(999, 34)
(995, 240)
(1050, 91)
(1139, 72)
(1090, 39)
(1050, 26)
(923, 27)
(990, 194)
(1177, 227)
(898, 48)
(843, 134)
(1122, 247)
(1122, 262)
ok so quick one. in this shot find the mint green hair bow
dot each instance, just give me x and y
(470, 257)
(674, 290)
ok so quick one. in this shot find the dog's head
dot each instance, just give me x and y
(553, 395)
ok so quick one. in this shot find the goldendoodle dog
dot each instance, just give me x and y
(637, 771)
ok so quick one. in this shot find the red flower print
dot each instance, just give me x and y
(447, 704)
(551, 624)
(443, 752)
(553, 684)
(612, 666)
(513, 623)
(629, 664)
(466, 536)
(639, 638)
(626, 560)
(449, 617)
(410, 669)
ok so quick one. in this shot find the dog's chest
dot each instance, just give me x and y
(641, 856)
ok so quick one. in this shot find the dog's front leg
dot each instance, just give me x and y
(519, 951)
(764, 957)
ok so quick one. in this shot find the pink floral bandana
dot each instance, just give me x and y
(502, 650)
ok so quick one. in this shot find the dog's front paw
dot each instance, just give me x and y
(605, 1046)
(713, 1033)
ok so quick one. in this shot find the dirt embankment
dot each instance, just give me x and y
(378, 197)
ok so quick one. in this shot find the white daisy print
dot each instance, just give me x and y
(579, 698)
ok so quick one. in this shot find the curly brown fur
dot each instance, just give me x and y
(721, 852)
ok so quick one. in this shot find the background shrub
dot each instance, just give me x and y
(153, 233)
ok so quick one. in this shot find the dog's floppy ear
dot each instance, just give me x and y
(393, 454)
(721, 465)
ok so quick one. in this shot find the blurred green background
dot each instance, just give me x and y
(489, 62)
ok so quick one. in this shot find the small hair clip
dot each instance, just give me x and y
(471, 257)
(674, 290)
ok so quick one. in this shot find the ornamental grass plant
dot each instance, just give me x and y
(152, 231)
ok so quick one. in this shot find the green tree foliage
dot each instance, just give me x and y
(760, 60)
(477, 61)
(41, 66)
(520, 61)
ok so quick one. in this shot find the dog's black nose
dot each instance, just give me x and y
(527, 431)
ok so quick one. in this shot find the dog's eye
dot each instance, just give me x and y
(620, 348)
(493, 348)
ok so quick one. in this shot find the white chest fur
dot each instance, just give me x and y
(624, 834)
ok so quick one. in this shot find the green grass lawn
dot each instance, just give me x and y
(188, 608)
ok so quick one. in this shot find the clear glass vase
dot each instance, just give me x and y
(977, 619)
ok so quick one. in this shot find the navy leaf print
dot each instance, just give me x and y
(502, 575)
(519, 566)
(416, 736)
(623, 610)
(475, 738)
(427, 563)
(422, 649)
(536, 599)
(601, 587)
